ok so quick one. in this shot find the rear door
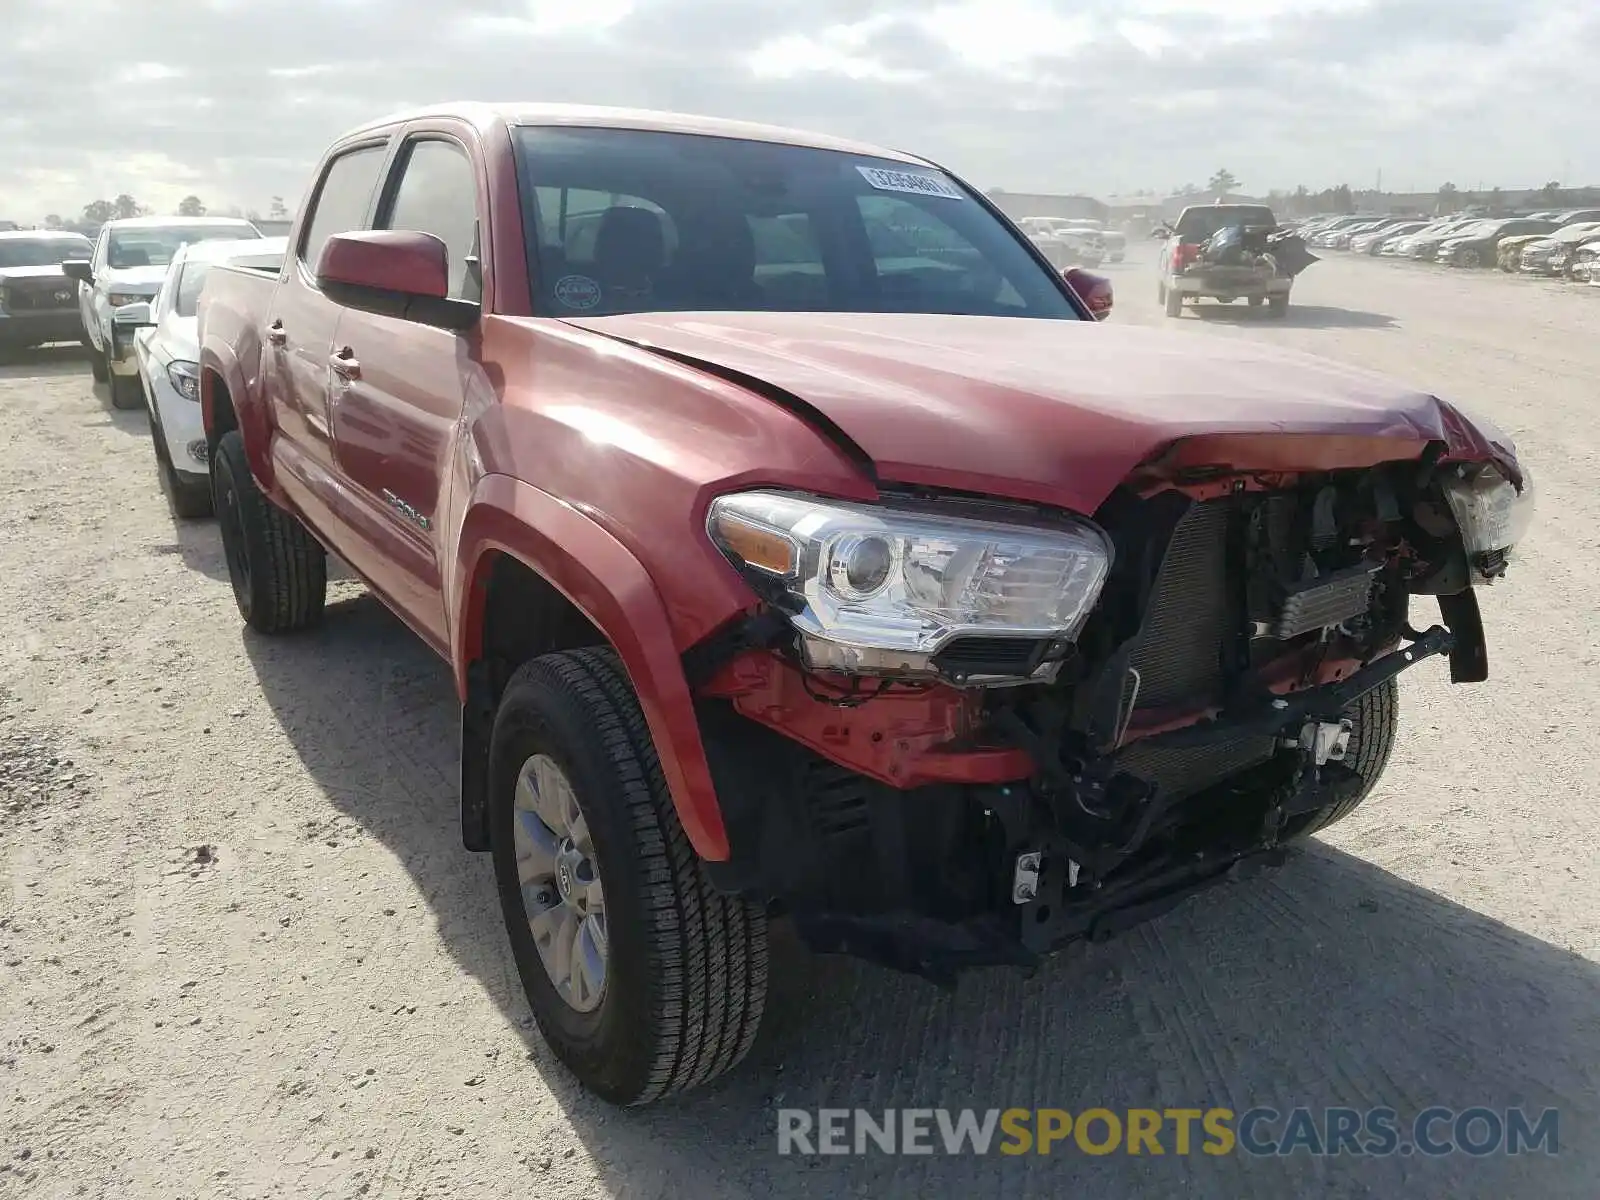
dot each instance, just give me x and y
(302, 321)
(399, 393)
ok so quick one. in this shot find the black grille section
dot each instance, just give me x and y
(35, 299)
(1179, 657)
(1183, 772)
(836, 800)
(991, 656)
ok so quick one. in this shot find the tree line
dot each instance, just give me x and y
(1343, 199)
(98, 212)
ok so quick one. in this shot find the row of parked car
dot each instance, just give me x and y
(130, 297)
(1075, 241)
(1560, 244)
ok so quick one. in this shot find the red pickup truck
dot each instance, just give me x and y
(802, 545)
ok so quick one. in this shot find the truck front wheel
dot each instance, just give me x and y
(1278, 306)
(644, 980)
(279, 571)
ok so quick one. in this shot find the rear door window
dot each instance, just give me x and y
(344, 199)
(1197, 224)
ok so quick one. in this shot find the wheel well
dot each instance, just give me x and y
(220, 404)
(523, 616)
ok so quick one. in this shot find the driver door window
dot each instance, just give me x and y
(438, 194)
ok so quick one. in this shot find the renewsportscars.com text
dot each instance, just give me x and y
(1374, 1132)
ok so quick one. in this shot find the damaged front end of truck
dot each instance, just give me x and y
(959, 732)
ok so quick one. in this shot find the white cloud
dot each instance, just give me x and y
(1001, 34)
(837, 50)
(235, 100)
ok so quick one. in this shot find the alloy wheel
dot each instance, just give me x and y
(561, 892)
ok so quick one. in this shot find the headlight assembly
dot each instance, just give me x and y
(885, 589)
(1491, 513)
(185, 377)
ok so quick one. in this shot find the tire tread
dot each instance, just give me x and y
(288, 567)
(709, 950)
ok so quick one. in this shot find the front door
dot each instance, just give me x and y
(398, 388)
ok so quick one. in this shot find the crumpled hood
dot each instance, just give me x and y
(1058, 412)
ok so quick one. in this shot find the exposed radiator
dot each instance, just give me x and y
(1180, 657)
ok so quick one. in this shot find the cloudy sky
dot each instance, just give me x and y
(234, 99)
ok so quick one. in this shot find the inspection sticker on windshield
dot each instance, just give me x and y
(910, 181)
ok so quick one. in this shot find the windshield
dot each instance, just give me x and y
(191, 277)
(155, 246)
(1577, 233)
(42, 252)
(622, 220)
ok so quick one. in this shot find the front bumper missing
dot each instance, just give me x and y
(1072, 890)
(1327, 702)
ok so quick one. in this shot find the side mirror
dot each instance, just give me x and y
(394, 273)
(1093, 290)
(132, 316)
(79, 269)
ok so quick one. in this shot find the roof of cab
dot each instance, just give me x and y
(486, 116)
(161, 222)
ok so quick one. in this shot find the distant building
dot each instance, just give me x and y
(273, 226)
(1036, 204)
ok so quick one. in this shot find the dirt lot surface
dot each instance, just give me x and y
(242, 953)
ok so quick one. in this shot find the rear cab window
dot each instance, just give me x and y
(623, 220)
(1196, 224)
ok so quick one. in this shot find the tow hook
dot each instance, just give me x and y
(1025, 877)
(1324, 741)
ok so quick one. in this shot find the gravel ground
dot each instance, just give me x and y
(242, 953)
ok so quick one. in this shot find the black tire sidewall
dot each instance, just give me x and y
(610, 1048)
(231, 473)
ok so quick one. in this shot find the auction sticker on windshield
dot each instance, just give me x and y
(577, 291)
(914, 182)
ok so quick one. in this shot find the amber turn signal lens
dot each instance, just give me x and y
(758, 547)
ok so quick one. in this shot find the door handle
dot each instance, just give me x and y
(345, 365)
(276, 334)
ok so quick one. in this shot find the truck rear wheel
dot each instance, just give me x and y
(279, 571)
(97, 362)
(1375, 719)
(1173, 302)
(1278, 306)
(644, 980)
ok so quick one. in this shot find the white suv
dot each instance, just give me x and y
(130, 261)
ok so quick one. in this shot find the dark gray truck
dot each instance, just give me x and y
(1228, 251)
